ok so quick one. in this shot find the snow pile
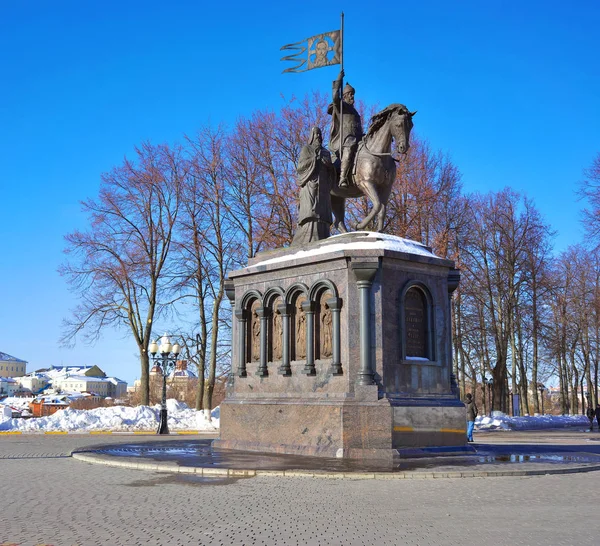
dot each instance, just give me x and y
(181, 417)
(501, 421)
(117, 419)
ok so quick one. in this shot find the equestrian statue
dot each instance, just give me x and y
(365, 163)
(357, 164)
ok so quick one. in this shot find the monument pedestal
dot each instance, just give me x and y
(342, 349)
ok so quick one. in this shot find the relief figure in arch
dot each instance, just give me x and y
(326, 331)
(277, 333)
(300, 331)
(255, 335)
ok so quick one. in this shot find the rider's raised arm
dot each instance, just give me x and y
(337, 89)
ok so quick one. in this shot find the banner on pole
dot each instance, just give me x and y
(314, 52)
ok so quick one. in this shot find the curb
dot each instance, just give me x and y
(241, 473)
(103, 432)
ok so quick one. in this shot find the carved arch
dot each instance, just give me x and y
(273, 298)
(297, 297)
(248, 297)
(250, 337)
(271, 294)
(327, 323)
(426, 328)
(319, 285)
(293, 290)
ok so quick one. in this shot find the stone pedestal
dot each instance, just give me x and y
(342, 348)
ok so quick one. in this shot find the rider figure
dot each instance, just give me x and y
(352, 128)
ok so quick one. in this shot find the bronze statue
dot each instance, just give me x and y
(365, 162)
(350, 127)
(316, 176)
(375, 170)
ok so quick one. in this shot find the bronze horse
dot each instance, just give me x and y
(374, 167)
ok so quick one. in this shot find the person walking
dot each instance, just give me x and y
(598, 416)
(471, 414)
(590, 413)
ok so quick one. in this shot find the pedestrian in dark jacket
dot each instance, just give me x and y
(590, 415)
(471, 415)
(598, 416)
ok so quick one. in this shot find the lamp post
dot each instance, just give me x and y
(490, 383)
(541, 388)
(166, 362)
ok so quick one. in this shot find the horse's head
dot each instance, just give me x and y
(400, 125)
(394, 120)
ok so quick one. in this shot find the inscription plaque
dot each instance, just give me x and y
(415, 321)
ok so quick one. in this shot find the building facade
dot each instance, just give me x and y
(11, 366)
(34, 383)
(8, 387)
(74, 379)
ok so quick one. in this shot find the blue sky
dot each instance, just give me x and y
(510, 90)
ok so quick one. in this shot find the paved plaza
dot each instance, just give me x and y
(50, 498)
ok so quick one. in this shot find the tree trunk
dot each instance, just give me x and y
(534, 333)
(564, 390)
(145, 378)
(514, 364)
(200, 388)
(209, 387)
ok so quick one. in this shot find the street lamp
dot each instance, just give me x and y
(166, 362)
(490, 383)
(541, 388)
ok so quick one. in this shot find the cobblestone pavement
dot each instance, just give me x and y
(49, 498)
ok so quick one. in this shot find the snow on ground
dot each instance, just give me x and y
(116, 419)
(181, 417)
(501, 421)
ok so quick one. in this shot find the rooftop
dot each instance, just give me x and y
(7, 358)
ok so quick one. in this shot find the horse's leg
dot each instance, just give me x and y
(380, 218)
(384, 196)
(338, 207)
(370, 190)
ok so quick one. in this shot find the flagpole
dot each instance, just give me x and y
(342, 86)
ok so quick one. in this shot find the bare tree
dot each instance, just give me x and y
(589, 190)
(208, 247)
(262, 154)
(507, 233)
(117, 267)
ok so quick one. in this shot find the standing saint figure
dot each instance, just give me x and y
(255, 356)
(277, 333)
(300, 331)
(316, 175)
(326, 331)
(351, 123)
